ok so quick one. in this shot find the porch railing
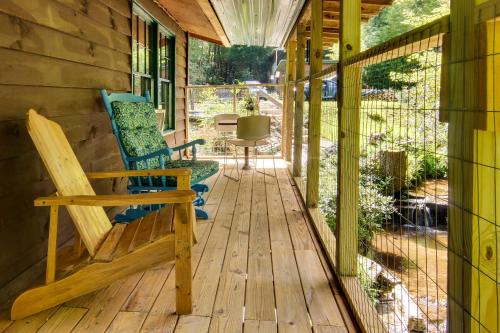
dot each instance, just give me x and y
(206, 101)
(413, 153)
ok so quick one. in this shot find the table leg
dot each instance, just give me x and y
(247, 165)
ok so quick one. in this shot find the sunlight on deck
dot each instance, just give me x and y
(256, 269)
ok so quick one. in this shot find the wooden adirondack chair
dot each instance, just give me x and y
(114, 251)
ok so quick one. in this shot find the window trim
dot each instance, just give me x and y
(156, 28)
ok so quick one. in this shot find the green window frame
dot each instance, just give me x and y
(153, 64)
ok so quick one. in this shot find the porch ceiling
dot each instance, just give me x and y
(258, 22)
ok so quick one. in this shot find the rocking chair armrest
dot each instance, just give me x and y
(178, 172)
(189, 144)
(163, 151)
(165, 197)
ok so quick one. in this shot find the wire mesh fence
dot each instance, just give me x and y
(427, 229)
(402, 183)
(204, 102)
(402, 238)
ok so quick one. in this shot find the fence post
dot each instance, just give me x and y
(299, 101)
(462, 287)
(234, 99)
(314, 126)
(290, 93)
(348, 152)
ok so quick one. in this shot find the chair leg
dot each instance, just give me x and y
(264, 165)
(255, 159)
(183, 270)
(201, 214)
(237, 165)
(225, 157)
(235, 156)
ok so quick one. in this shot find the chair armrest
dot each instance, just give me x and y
(164, 151)
(189, 144)
(140, 173)
(165, 197)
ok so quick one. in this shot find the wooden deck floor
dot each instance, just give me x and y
(256, 269)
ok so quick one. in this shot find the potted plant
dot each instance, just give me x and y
(250, 104)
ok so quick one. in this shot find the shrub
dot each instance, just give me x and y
(426, 165)
(369, 285)
(374, 208)
(376, 117)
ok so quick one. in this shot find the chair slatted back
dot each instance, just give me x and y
(69, 178)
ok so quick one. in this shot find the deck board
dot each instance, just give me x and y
(64, 320)
(230, 299)
(256, 268)
(291, 309)
(260, 303)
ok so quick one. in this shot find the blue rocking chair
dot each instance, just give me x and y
(142, 146)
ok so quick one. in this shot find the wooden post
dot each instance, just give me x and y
(184, 183)
(186, 96)
(290, 96)
(183, 269)
(50, 273)
(298, 128)
(314, 126)
(234, 99)
(348, 170)
(470, 237)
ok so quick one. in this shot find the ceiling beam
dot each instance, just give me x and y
(366, 6)
(331, 17)
(210, 13)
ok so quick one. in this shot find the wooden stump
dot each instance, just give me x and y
(393, 165)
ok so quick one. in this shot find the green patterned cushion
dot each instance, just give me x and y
(136, 122)
(201, 170)
(132, 115)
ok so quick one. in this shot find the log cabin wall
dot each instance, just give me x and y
(54, 57)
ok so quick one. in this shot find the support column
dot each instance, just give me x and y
(348, 164)
(461, 136)
(314, 126)
(288, 102)
(298, 128)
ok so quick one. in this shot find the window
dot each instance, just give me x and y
(153, 64)
(166, 95)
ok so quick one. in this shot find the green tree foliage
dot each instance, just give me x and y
(402, 16)
(214, 64)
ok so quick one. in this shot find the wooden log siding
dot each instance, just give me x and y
(54, 56)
